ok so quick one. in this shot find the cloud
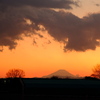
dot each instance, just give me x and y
(79, 34)
(97, 5)
(39, 3)
(14, 12)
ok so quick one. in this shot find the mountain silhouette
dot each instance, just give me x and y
(60, 74)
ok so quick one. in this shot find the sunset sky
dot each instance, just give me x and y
(43, 36)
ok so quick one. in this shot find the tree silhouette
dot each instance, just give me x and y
(15, 73)
(96, 71)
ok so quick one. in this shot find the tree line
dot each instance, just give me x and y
(19, 73)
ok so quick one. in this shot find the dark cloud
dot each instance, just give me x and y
(97, 5)
(39, 3)
(79, 34)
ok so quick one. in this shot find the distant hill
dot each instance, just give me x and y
(60, 74)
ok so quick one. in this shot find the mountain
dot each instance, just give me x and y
(60, 74)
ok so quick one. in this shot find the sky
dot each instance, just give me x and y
(43, 36)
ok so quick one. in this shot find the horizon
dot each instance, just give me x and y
(43, 37)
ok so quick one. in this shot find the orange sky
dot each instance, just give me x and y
(43, 58)
(40, 60)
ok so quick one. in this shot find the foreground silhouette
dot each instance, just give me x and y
(50, 89)
(13, 88)
(96, 71)
(15, 73)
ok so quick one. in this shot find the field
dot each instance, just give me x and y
(50, 89)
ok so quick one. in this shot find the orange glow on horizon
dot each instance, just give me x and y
(40, 61)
